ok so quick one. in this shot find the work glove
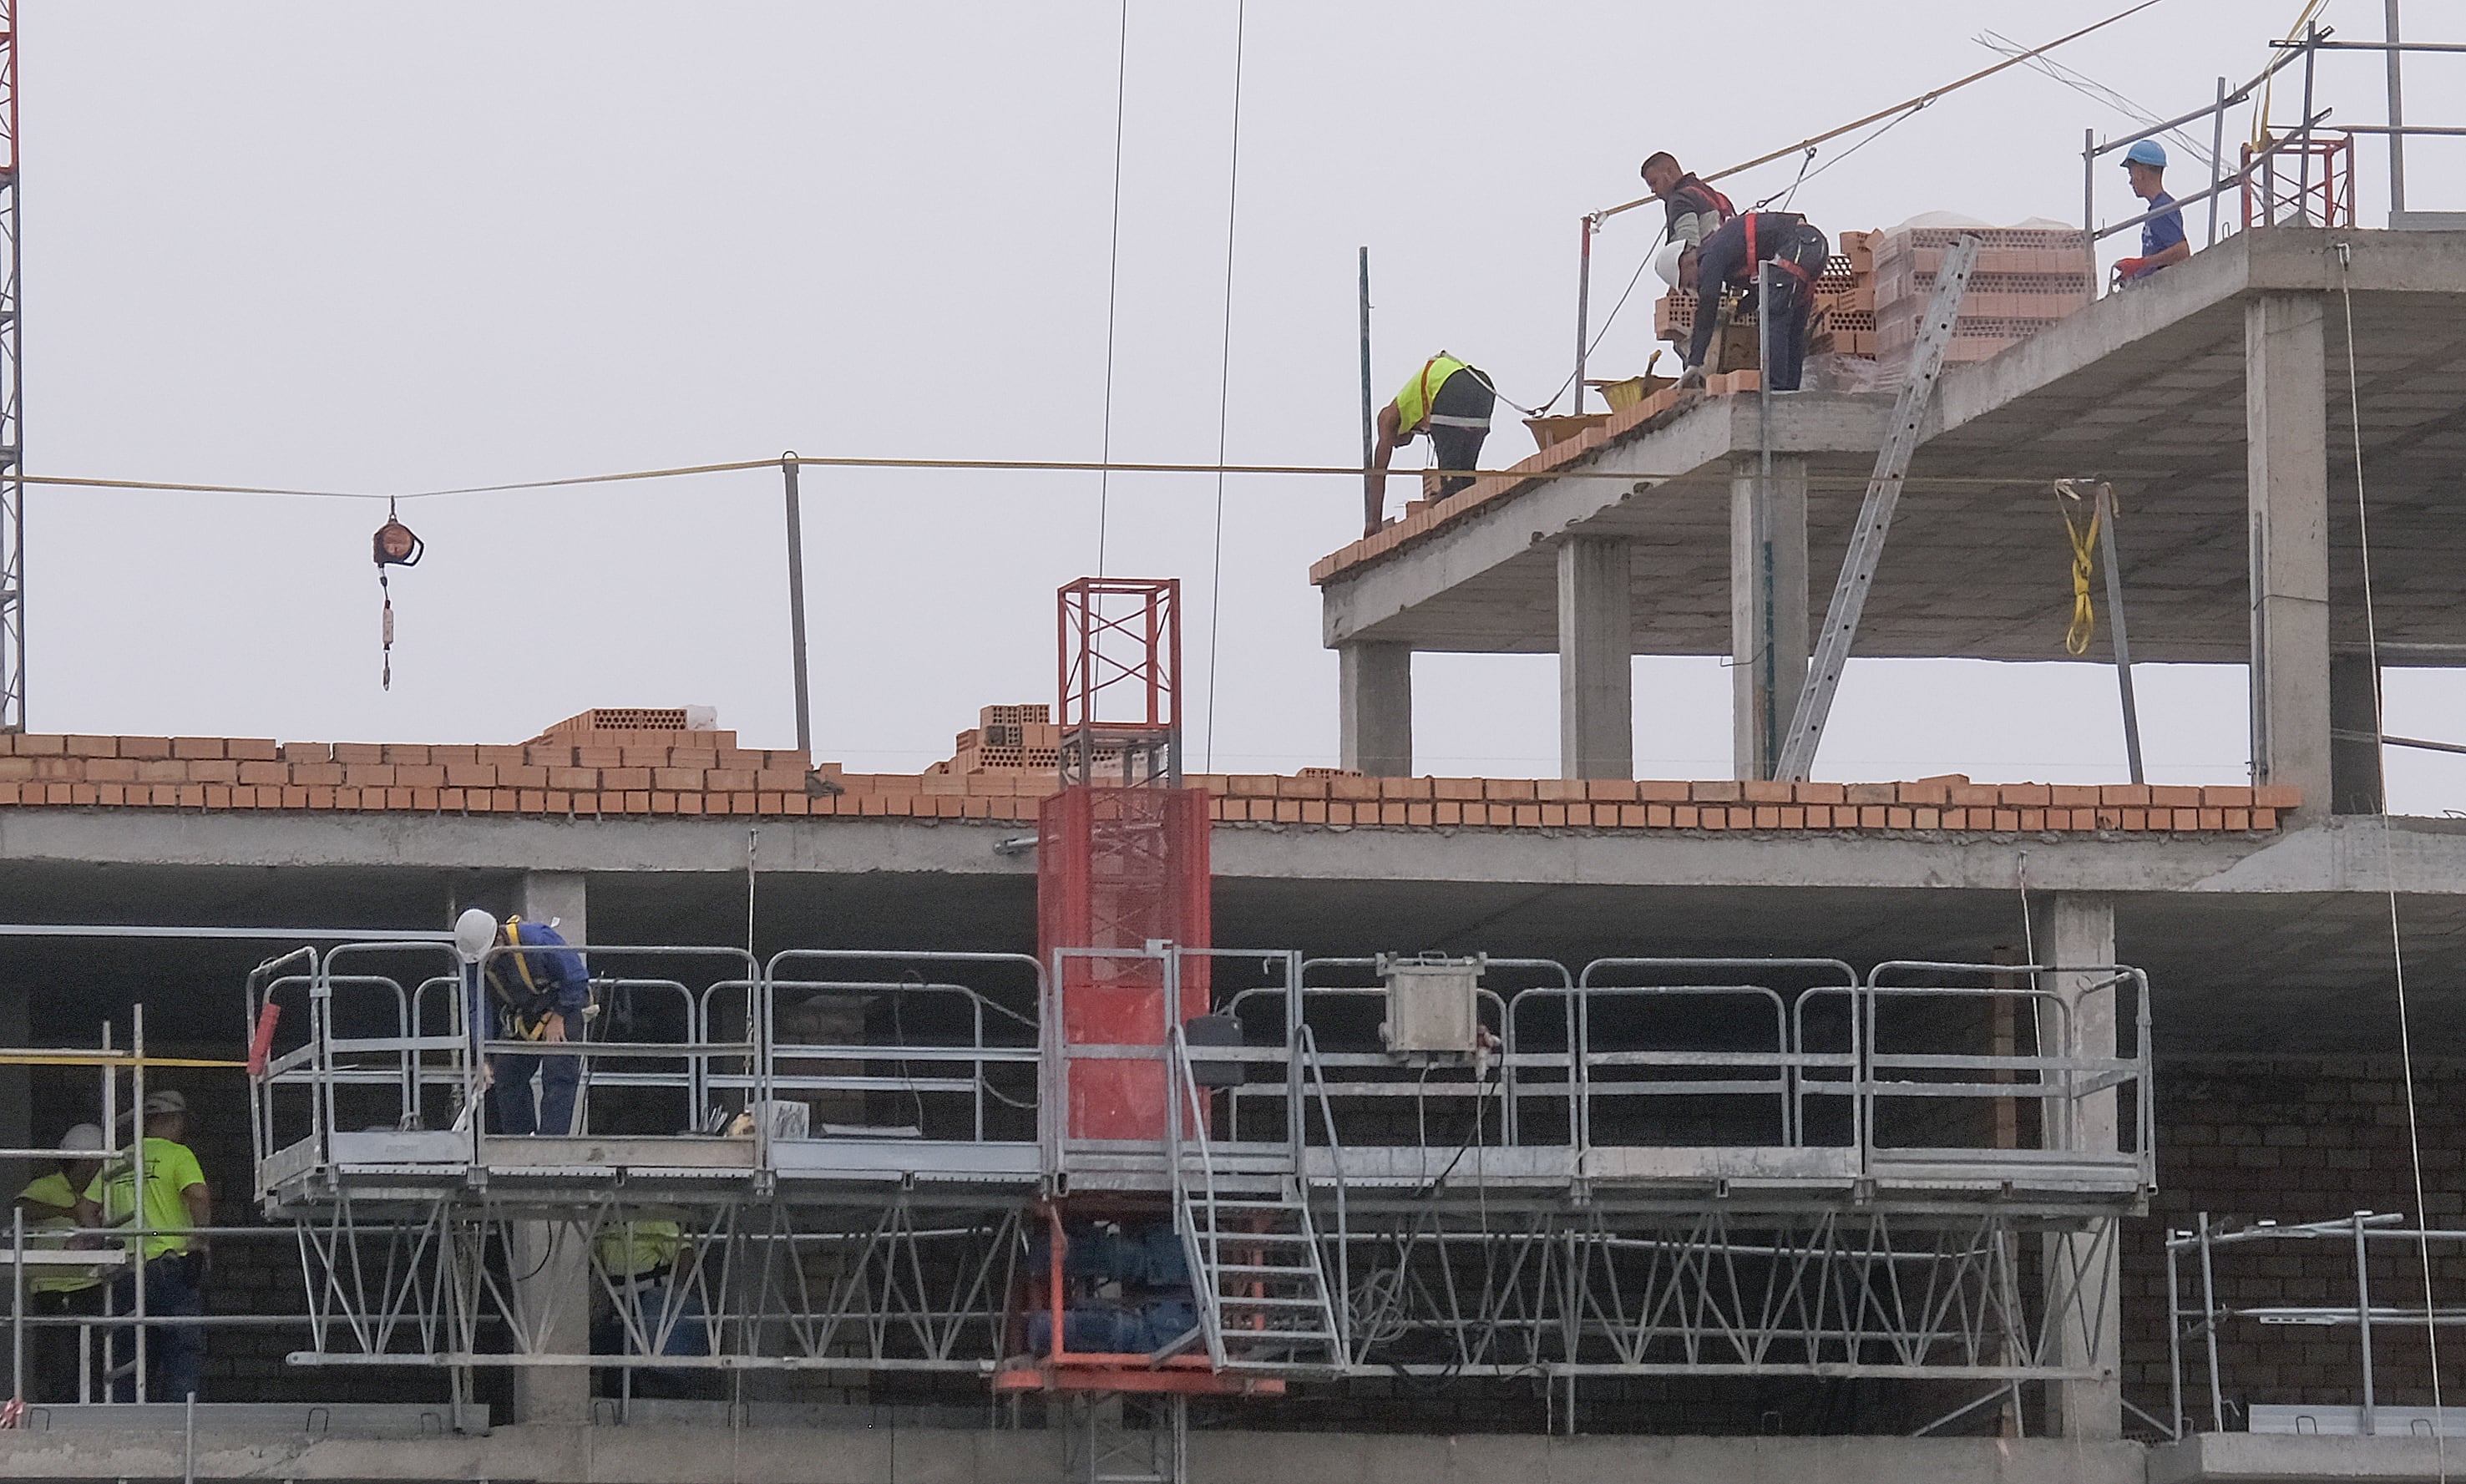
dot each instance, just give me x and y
(2130, 267)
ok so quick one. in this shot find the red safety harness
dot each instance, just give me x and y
(1794, 270)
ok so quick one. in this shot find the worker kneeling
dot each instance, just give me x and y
(1728, 261)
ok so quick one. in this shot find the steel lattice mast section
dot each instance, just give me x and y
(13, 461)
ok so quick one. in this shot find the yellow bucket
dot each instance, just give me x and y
(1623, 395)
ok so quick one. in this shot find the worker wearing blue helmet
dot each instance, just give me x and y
(2161, 236)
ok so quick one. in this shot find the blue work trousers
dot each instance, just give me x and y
(176, 1353)
(513, 1108)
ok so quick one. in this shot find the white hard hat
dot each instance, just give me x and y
(84, 1138)
(475, 932)
(1666, 262)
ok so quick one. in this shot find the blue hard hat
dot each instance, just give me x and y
(2148, 152)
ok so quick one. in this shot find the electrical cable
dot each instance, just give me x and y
(2389, 854)
(1881, 114)
(1815, 478)
(1112, 281)
(1223, 394)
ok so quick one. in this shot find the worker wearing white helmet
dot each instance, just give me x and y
(54, 1293)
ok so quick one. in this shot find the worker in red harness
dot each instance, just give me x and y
(1450, 401)
(1691, 210)
(1728, 259)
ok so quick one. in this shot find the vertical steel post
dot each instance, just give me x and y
(2175, 1339)
(1368, 416)
(2218, 158)
(2304, 154)
(2364, 1316)
(2396, 108)
(2116, 630)
(17, 1304)
(1583, 304)
(2209, 1326)
(2089, 209)
(137, 1187)
(797, 606)
(1767, 664)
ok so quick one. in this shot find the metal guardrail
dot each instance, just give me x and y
(2201, 1325)
(388, 1065)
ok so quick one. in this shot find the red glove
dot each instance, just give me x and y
(2130, 267)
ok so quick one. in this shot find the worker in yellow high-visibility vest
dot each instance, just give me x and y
(1450, 401)
(53, 1292)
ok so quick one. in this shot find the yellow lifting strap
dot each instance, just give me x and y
(2083, 537)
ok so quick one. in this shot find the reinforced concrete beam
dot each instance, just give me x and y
(1596, 659)
(2085, 1299)
(1768, 625)
(1374, 709)
(2287, 504)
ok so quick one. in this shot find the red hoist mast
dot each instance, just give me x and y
(1122, 869)
(12, 451)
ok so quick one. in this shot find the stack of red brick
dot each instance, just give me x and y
(2027, 279)
(712, 775)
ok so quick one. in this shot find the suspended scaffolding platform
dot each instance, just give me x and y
(864, 1162)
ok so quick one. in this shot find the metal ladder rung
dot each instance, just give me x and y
(1266, 1301)
(1257, 1236)
(1275, 1270)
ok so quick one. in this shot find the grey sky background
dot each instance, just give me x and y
(398, 248)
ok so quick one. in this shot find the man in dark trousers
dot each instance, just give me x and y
(1450, 401)
(539, 994)
(1728, 259)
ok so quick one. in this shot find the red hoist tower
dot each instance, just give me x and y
(1122, 902)
(12, 466)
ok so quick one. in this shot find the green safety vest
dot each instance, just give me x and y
(1413, 403)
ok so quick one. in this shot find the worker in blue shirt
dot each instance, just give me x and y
(2161, 236)
(539, 994)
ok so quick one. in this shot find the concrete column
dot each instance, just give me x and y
(2085, 1301)
(1374, 709)
(1596, 659)
(551, 1259)
(2287, 498)
(1768, 626)
(2354, 765)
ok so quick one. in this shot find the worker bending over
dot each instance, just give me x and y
(1691, 210)
(174, 1204)
(1450, 401)
(2163, 243)
(539, 994)
(1728, 259)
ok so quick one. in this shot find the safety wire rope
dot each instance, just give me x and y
(1113, 284)
(1223, 394)
(1815, 478)
(2389, 855)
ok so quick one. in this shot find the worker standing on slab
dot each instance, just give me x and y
(1797, 252)
(174, 1204)
(1450, 401)
(2163, 243)
(1691, 210)
(538, 990)
(50, 1203)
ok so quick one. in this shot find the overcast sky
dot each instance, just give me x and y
(400, 248)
